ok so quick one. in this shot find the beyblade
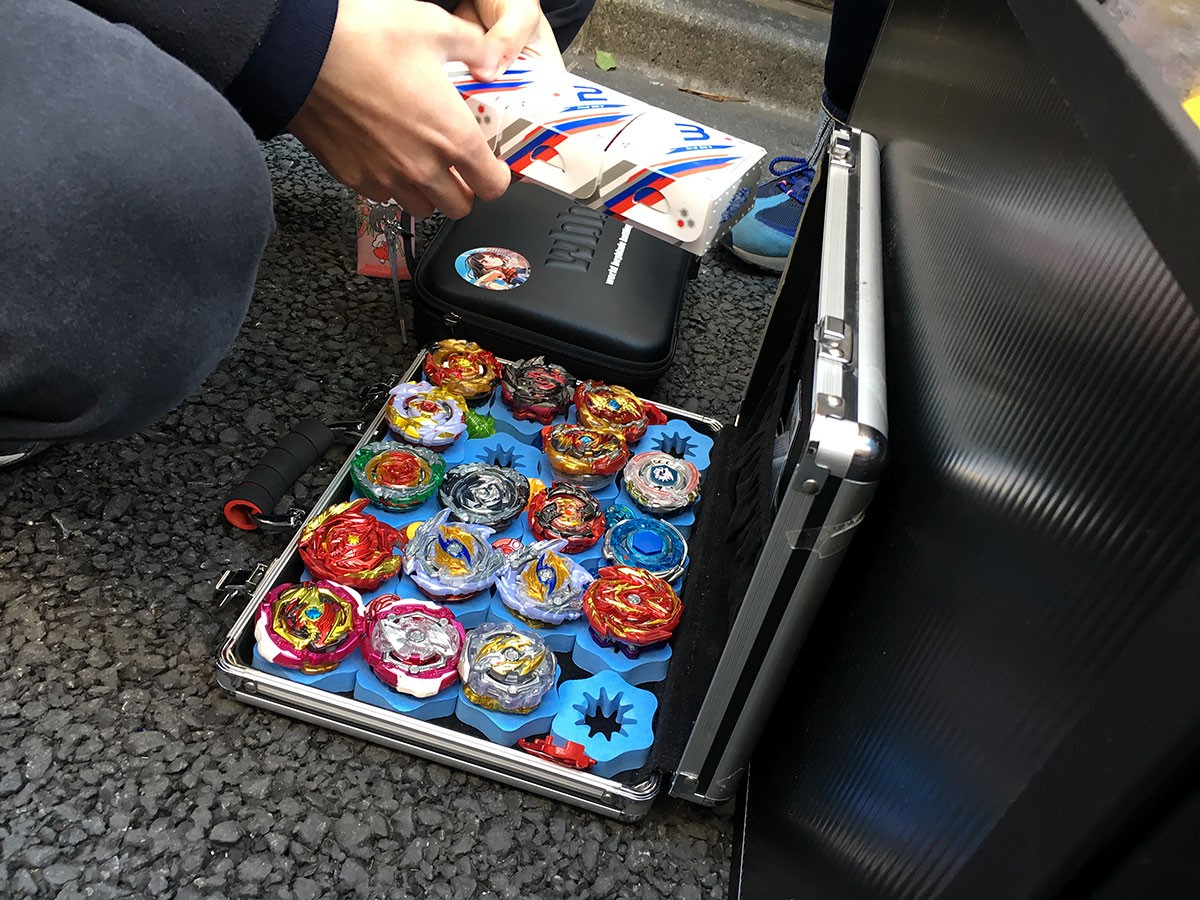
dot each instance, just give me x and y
(536, 390)
(658, 547)
(505, 667)
(568, 512)
(631, 609)
(464, 367)
(451, 562)
(419, 413)
(396, 476)
(588, 457)
(600, 405)
(484, 495)
(661, 483)
(541, 586)
(346, 545)
(569, 754)
(412, 645)
(311, 626)
(617, 512)
(507, 546)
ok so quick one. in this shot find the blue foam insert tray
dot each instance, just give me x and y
(679, 439)
(370, 689)
(504, 727)
(650, 665)
(607, 697)
(337, 681)
(505, 450)
(560, 638)
(523, 430)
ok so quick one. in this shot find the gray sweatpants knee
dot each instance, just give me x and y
(134, 208)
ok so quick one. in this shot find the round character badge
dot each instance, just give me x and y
(493, 268)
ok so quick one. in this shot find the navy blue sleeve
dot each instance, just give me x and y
(281, 71)
(212, 37)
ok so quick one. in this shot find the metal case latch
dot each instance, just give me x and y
(835, 340)
(841, 152)
(234, 583)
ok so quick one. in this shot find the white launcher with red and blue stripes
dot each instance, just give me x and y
(674, 178)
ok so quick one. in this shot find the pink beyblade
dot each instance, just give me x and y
(412, 645)
(311, 626)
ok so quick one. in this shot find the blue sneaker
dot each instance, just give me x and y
(764, 235)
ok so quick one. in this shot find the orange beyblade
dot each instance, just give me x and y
(600, 405)
(587, 457)
(464, 368)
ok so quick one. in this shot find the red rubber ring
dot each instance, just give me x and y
(240, 514)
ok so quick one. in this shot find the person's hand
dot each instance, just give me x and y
(383, 117)
(513, 27)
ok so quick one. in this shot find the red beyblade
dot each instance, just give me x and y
(631, 609)
(567, 512)
(570, 754)
(353, 548)
(507, 545)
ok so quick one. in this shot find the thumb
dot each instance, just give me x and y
(465, 42)
(510, 33)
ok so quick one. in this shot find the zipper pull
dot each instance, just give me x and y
(452, 319)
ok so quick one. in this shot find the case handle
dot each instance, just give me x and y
(250, 504)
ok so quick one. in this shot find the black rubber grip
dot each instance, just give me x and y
(266, 483)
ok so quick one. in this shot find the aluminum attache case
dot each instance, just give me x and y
(785, 487)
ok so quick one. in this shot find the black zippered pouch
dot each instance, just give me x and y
(535, 273)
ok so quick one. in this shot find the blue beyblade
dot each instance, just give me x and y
(648, 544)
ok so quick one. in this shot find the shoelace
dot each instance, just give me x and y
(798, 166)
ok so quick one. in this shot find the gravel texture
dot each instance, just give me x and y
(125, 772)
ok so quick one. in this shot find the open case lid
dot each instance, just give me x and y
(1001, 702)
(772, 542)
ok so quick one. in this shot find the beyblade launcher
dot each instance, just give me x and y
(671, 177)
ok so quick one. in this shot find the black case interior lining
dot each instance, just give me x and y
(739, 496)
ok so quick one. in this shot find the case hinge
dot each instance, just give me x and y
(835, 340)
(235, 583)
